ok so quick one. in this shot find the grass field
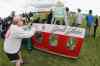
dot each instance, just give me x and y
(89, 56)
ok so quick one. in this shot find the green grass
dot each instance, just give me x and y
(89, 56)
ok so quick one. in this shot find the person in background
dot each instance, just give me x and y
(6, 23)
(66, 16)
(90, 22)
(96, 24)
(50, 16)
(79, 18)
(0, 26)
(3, 28)
(13, 39)
(10, 19)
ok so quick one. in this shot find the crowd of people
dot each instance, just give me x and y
(78, 19)
(12, 29)
(92, 22)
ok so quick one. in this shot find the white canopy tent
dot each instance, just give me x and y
(20, 6)
(43, 5)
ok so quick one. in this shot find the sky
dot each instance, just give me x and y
(84, 5)
(6, 6)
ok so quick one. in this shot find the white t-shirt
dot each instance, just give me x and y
(79, 18)
(14, 36)
(66, 18)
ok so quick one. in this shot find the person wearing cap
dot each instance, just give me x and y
(13, 39)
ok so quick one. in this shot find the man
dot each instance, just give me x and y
(90, 21)
(0, 26)
(66, 16)
(96, 24)
(13, 39)
(50, 16)
(79, 18)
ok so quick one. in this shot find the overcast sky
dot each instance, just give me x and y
(6, 6)
(85, 5)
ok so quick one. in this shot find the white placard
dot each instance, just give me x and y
(60, 29)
